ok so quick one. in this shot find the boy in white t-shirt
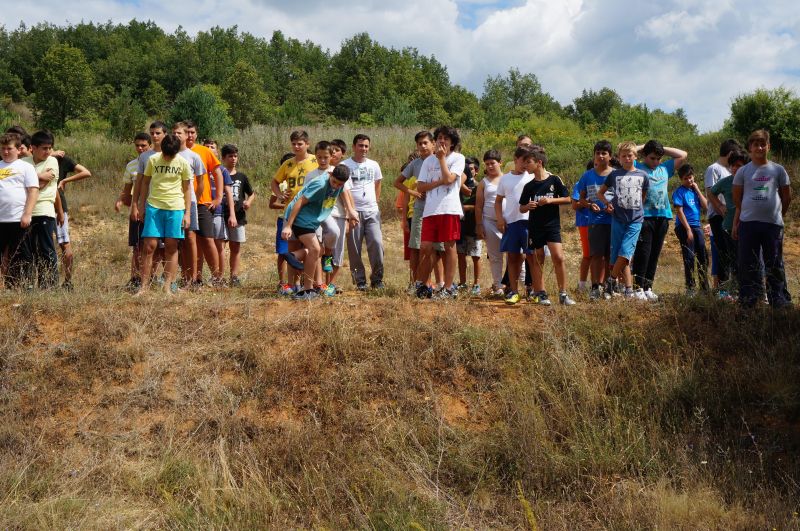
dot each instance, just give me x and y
(511, 222)
(19, 190)
(366, 177)
(440, 180)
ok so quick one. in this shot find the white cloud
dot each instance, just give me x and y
(695, 54)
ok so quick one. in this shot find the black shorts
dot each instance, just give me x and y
(541, 236)
(599, 240)
(205, 221)
(135, 229)
(302, 231)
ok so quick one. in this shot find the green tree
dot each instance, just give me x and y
(594, 107)
(125, 115)
(203, 105)
(776, 110)
(155, 99)
(64, 86)
(245, 95)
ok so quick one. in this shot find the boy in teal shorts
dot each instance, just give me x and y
(305, 213)
(167, 214)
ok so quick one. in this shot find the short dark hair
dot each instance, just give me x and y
(26, 140)
(229, 149)
(359, 137)
(323, 145)
(341, 144)
(9, 139)
(523, 135)
(190, 124)
(423, 134)
(729, 146)
(492, 154)
(539, 154)
(17, 129)
(286, 156)
(42, 138)
(299, 135)
(738, 156)
(522, 152)
(475, 161)
(685, 170)
(449, 132)
(170, 145)
(758, 134)
(341, 173)
(653, 147)
(209, 141)
(142, 136)
(158, 124)
(603, 145)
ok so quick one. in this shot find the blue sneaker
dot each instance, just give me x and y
(327, 263)
(305, 295)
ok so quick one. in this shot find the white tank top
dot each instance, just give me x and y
(489, 195)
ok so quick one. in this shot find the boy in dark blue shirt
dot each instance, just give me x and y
(689, 202)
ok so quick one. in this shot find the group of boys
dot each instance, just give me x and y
(33, 209)
(185, 204)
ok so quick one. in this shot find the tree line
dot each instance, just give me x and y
(115, 76)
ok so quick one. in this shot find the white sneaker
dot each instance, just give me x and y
(650, 295)
(639, 295)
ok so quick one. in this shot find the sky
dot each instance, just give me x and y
(694, 54)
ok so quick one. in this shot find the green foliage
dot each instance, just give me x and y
(126, 116)
(155, 99)
(594, 108)
(516, 95)
(776, 110)
(203, 105)
(64, 86)
(245, 95)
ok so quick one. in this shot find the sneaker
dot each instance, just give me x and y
(412, 288)
(133, 284)
(445, 294)
(339, 290)
(650, 295)
(235, 282)
(305, 295)
(639, 295)
(541, 298)
(610, 286)
(285, 289)
(595, 294)
(329, 291)
(628, 293)
(378, 285)
(512, 297)
(582, 288)
(498, 292)
(362, 286)
(476, 290)
(327, 263)
(67, 286)
(462, 287)
(690, 292)
(564, 299)
(424, 292)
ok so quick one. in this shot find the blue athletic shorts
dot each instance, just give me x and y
(281, 245)
(623, 239)
(162, 223)
(515, 238)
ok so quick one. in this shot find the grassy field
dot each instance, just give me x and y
(238, 409)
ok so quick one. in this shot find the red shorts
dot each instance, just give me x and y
(441, 228)
(584, 232)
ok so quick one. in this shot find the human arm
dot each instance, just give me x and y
(31, 196)
(785, 193)
(138, 206)
(480, 197)
(187, 204)
(79, 173)
(601, 196)
(59, 210)
(286, 233)
(464, 188)
(124, 197)
(713, 198)
(738, 193)
(400, 184)
(219, 188)
(678, 155)
(229, 201)
(683, 221)
(498, 212)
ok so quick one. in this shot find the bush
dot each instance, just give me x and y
(126, 116)
(203, 105)
(776, 110)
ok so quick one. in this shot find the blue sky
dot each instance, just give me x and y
(693, 54)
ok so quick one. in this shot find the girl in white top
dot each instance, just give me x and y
(485, 217)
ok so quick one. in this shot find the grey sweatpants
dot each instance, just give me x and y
(369, 228)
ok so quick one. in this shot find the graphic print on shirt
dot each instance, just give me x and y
(629, 191)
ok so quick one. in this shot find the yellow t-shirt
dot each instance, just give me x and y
(294, 173)
(166, 181)
(46, 204)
